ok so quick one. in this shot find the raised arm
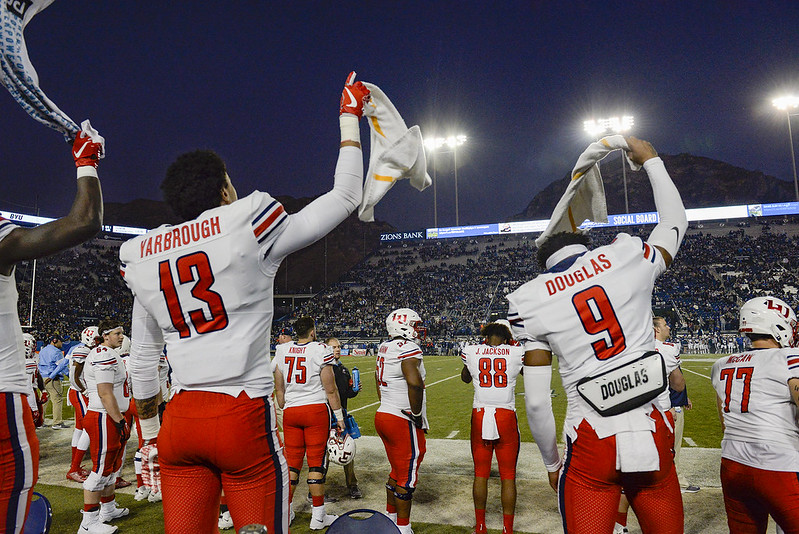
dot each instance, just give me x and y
(319, 217)
(670, 231)
(84, 220)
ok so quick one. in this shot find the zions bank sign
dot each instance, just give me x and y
(403, 236)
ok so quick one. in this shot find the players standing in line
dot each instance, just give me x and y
(305, 387)
(18, 442)
(758, 395)
(199, 285)
(401, 419)
(345, 391)
(592, 309)
(78, 399)
(109, 397)
(492, 368)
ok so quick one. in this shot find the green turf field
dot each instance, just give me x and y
(449, 400)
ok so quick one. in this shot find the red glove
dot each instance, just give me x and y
(353, 96)
(38, 420)
(45, 397)
(123, 430)
(85, 151)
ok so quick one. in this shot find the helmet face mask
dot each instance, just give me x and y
(403, 322)
(340, 448)
(769, 316)
(87, 337)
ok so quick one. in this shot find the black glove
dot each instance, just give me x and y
(416, 419)
(123, 430)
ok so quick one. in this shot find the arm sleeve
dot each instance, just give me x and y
(540, 418)
(670, 231)
(146, 345)
(326, 212)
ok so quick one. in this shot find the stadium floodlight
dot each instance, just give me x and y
(596, 128)
(433, 145)
(788, 103)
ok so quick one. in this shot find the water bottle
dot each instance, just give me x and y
(356, 380)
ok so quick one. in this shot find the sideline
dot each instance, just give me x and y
(426, 386)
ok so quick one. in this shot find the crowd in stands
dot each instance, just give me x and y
(455, 284)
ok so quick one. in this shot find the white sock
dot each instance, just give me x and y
(318, 512)
(108, 506)
(393, 517)
(90, 517)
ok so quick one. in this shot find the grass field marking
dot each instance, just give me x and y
(689, 441)
(453, 434)
(426, 386)
(700, 374)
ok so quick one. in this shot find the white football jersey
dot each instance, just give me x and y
(104, 365)
(391, 380)
(77, 354)
(301, 365)
(32, 370)
(758, 408)
(208, 285)
(494, 372)
(593, 312)
(13, 378)
(671, 357)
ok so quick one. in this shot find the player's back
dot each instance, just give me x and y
(494, 371)
(755, 398)
(208, 284)
(76, 355)
(594, 313)
(301, 365)
(391, 379)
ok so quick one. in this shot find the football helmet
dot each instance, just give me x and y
(340, 447)
(506, 323)
(30, 344)
(770, 316)
(403, 322)
(87, 337)
(124, 349)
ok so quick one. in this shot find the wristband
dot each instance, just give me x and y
(149, 427)
(350, 131)
(416, 414)
(87, 170)
(339, 414)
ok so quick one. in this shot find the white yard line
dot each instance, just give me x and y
(453, 434)
(694, 372)
(689, 441)
(426, 386)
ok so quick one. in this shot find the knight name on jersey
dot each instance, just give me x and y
(624, 383)
(297, 350)
(180, 236)
(570, 278)
(739, 358)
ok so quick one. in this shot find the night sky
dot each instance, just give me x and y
(259, 82)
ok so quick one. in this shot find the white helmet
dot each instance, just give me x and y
(402, 323)
(124, 348)
(88, 335)
(30, 344)
(506, 323)
(340, 447)
(770, 316)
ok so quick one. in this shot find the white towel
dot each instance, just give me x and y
(17, 73)
(636, 452)
(490, 430)
(585, 196)
(397, 152)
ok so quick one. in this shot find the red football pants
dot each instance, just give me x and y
(506, 447)
(19, 461)
(106, 449)
(405, 447)
(210, 442)
(752, 494)
(81, 404)
(305, 431)
(590, 485)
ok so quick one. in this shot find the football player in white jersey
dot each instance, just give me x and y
(109, 397)
(20, 447)
(305, 387)
(401, 419)
(492, 367)
(36, 400)
(592, 309)
(197, 286)
(758, 395)
(78, 399)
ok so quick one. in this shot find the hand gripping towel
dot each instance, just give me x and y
(397, 152)
(16, 71)
(585, 196)
(490, 431)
